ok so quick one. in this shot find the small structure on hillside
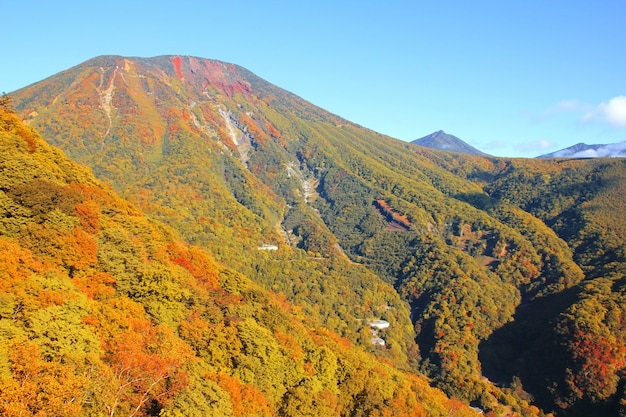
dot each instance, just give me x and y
(379, 324)
(267, 247)
(375, 326)
(378, 341)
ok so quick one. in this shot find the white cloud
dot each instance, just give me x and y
(613, 150)
(613, 112)
(587, 153)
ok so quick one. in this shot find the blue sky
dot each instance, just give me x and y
(512, 78)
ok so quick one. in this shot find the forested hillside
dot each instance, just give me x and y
(106, 312)
(502, 280)
(575, 360)
(583, 201)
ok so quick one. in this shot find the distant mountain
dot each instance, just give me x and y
(445, 142)
(582, 150)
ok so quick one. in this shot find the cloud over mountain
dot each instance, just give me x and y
(581, 150)
(613, 150)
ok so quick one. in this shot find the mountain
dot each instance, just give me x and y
(502, 279)
(105, 311)
(581, 150)
(445, 142)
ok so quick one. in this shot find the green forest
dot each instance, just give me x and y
(108, 312)
(502, 280)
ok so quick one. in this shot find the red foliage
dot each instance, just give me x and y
(388, 211)
(177, 61)
(599, 361)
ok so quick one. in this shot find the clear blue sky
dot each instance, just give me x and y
(513, 78)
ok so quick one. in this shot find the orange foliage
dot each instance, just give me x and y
(16, 263)
(96, 285)
(74, 250)
(38, 387)
(50, 297)
(96, 194)
(83, 250)
(145, 360)
(455, 407)
(195, 331)
(273, 132)
(9, 122)
(89, 214)
(254, 130)
(390, 212)
(289, 344)
(341, 341)
(196, 262)
(247, 400)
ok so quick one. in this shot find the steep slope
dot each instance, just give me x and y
(106, 312)
(446, 142)
(575, 363)
(168, 133)
(583, 201)
(233, 162)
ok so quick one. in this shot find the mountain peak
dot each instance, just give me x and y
(446, 142)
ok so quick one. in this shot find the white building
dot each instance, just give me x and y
(379, 324)
(378, 341)
(268, 247)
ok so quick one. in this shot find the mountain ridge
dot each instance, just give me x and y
(232, 167)
(582, 150)
(106, 311)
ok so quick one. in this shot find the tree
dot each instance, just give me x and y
(6, 103)
(39, 387)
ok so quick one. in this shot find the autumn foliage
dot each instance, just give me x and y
(105, 312)
(502, 279)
